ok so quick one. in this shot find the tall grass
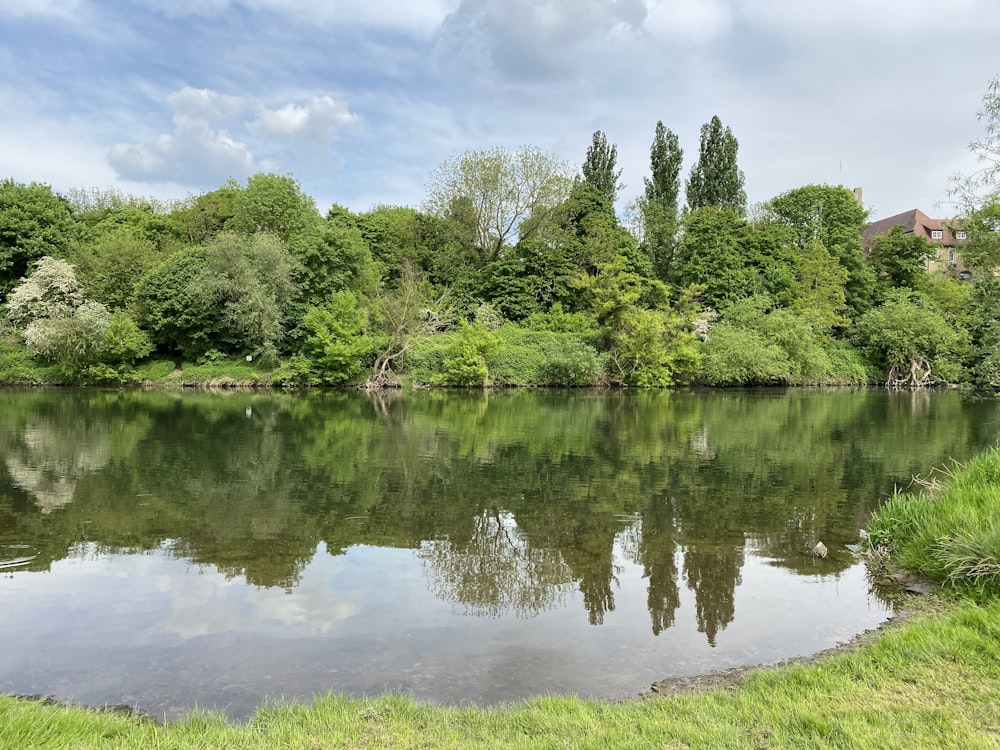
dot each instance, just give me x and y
(949, 530)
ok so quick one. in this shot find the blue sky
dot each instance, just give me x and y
(361, 99)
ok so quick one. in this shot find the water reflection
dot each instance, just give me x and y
(566, 507)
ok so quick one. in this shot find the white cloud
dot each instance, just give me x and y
(314, 121)
(193, 154)
(206, 105)
(690, 20)
(199, 152)
(528, 41)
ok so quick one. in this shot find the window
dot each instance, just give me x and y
(960, 234)
(951, 256)
(936, 234)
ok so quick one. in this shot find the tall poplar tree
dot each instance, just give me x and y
(715, 179)
(599, 167)
(658, 205)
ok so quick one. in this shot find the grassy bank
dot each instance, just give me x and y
(933, 681)
(950, 530)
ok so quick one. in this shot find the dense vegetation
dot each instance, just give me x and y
(515, 271)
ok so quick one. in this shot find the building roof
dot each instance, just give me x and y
(913, 221)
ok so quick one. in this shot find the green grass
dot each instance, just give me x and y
(950, 530)
(932, 682)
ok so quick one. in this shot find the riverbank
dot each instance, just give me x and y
(931, 681)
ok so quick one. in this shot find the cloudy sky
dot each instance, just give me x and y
(361, 99)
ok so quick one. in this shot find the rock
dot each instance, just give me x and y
(820, 550)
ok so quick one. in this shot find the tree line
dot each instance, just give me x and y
(515, 270)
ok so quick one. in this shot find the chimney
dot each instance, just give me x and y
(857, 196)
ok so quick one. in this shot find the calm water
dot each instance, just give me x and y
(169, 550)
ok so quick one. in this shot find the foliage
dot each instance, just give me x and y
(560, 321)
(898, 260)
(645, 347)
(335, 347)
(246, 284)
(716, 179)
(398, 319)
(755, 344)
(34, 222)
(599, 168)
(712, 255)
(126, 342)
(831, 216)
(112, 265)
(178, 319)
(274, 204)
(202, 217)
(658, 204)
(981, 252)
(508, 193)
(74, 340)
(911, 342)
(465, 362)
(52, 290)
(330, 258)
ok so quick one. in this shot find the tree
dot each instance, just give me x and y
(34, 222)
(911, 341)
(712, 255)
(658, 205)
(61, 326)
(112, 265)
(200, 218)
(51, 291)
(248, 281)
(506, 194)
(832, 216)
(273, 203)
(715, 179)
(335, 345)
(898, 260)
(398, 318)
(599, 168)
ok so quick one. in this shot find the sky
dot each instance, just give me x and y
(360, 100)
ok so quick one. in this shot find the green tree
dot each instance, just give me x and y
(112, 265)
(658, 205)
(332, 257)
(335, 346)
(248, 282)
(645, 347)
(34, 222)
(912, 343)
(178, 320)
(504, 194)
(199, 218)
(276, 204)
(712, 255)
(599, 168)
(832, 216)
(898, 261)
(716, 179)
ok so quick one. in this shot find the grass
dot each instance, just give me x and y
(949, 531)
(932, 682)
